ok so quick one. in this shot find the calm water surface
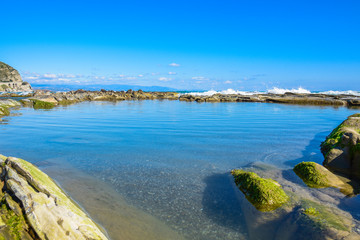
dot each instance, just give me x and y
(167, 162)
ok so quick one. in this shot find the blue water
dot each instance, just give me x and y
(172, 159)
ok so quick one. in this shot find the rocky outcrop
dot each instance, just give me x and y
(287, 98)
(10, 80)
(341, 148)
(34, 207)
(303, 216)
(5, 105)
(265, 194)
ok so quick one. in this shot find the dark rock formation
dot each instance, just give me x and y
(341, 148)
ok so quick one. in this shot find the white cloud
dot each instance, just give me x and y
(47, 75)
(172, 73)
(164, 79)
(200, 78)
(31, 77)
(140, 75)
(174, 65)
(228, 82)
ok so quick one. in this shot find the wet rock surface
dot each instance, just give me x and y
(341, 148)
(34, 207)
(304, 216)
(5, 106)
(265, 194)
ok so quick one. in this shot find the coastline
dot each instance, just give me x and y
(65, 98)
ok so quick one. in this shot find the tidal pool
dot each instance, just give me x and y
(160, 169)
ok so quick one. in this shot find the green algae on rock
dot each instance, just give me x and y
(264, 194)
(34, 207)
(303, 215)
(6, 104)
(341, 148)
(39, 104)
(316, 176)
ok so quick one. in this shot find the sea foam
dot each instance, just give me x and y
(274, 90)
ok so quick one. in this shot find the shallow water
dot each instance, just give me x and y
(165, 164)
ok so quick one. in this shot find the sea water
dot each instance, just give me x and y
(160, 169)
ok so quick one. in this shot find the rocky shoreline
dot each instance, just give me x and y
(65, 98)
(33, 206)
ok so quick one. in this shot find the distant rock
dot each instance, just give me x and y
(32, 206)
(10, 80)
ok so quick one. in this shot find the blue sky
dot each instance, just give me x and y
(244, 45)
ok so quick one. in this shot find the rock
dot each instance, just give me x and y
(264, 194)
(10, 80)
(316, 176)
(44, 103)
(5, 105)
(341, 148)
(303, 216)
(47, 212)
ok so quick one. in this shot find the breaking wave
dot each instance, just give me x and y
(274, 90)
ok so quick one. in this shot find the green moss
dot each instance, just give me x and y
(38, 104)
(16, 224)
(310, 175)
(4, 111)
(311, 211)
(264, 194)
(333, 140)
(324, 216)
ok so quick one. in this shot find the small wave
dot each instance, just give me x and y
(224, 92)
(349, 92)
(276, 90)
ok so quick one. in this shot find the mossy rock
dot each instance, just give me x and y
(325, 217)
(333, 140)
(4, 111)
(341, 149)
(38, 104)
(264, 194)
(312, 174)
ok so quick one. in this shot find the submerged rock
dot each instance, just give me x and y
(264, 194)
(304, 216)
(10, 80)
(6, 104)
(34, 207)
(341, 148)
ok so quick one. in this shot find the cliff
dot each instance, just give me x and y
(10, 80)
